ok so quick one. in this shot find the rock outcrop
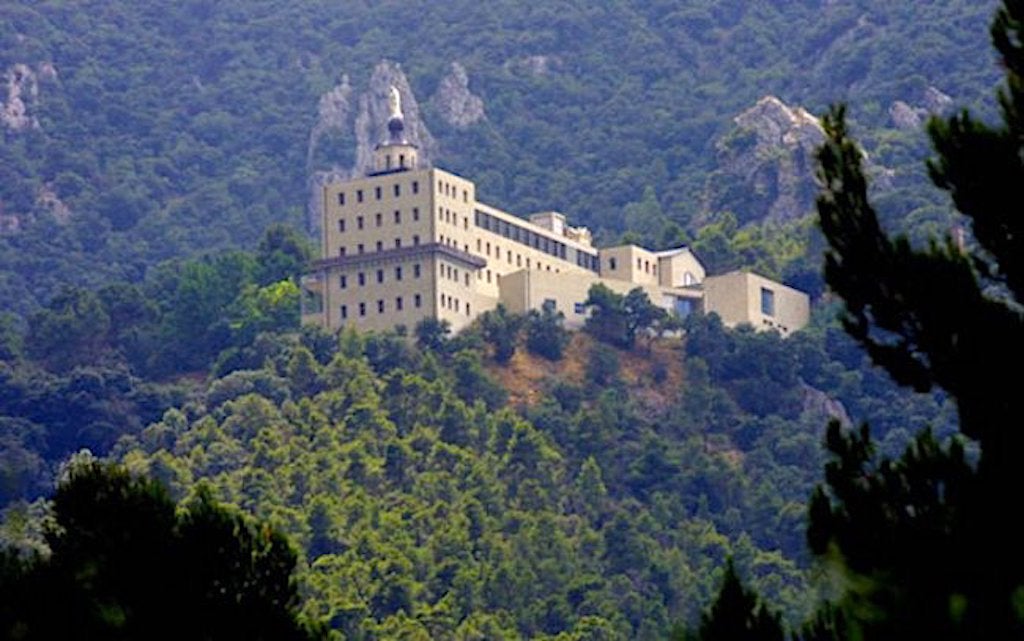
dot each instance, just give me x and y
(904, 115)
(360, 120)
(455, 102)
(21, 91)
(766, 164)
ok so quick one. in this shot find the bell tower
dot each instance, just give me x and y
(396, 153)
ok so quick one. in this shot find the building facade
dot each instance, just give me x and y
(406, 243)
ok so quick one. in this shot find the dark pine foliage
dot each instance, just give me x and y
(929, 547)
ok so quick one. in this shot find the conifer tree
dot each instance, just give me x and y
(738, 615)
(929, 549)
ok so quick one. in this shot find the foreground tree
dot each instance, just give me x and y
(738, 615)
(124, 564)
(930, 549)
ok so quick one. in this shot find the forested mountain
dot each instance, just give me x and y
(134, 132)
(437, 487)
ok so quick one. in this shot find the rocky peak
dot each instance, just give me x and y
(343, 109)
(454, 101)
(766, 164)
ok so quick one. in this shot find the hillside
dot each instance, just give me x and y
(134, 132)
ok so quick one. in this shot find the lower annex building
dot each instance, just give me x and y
(405, 243)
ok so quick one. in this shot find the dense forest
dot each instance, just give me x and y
(151, 132)
(513, 481)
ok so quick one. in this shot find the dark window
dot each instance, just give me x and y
(343, 281)
(377, 192)
(398, 273)
(341, 250)
(360, 248)
(416, 270)
(767, 302)
(362, 279)
(613, 264)
(380, 245)
(341, 198)
(415, 212)
(398, 188)
(398, 303)
(416, 239)
(465, 196)
(341, 225)
(398, 243)
(398, 217)
(418, 300)
(380, 275)
(380, 307)
(580, 308)
(344, 311)
(362, 309)
(379, 219)
(359, 222)
(359, 195)
(415, 187)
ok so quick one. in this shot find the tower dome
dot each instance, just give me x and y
(397, 153)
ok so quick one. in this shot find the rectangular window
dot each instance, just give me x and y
(398, 217)
(418, 300)
(344, 311)
(380, 275)
(579, 308)
(415, 212)
(416, 240)
(398, 303)
(359, 222)
(398, 243)
(359, 195)
(467, 279)
(343, 281)
(360, 248)
(416, 270)
(341, 225)
(398, 273)
(767, 302)
(341, 198)
(415, 187)
(465, 222)
(380, 245)
(341, 250)
(377, 192)
(398, 191)
(379, 219)
(380, 307)
(478, 242)
(488, 275)
(362, 309)
(465, 196)
(362, 279)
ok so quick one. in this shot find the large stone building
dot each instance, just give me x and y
(405, 243)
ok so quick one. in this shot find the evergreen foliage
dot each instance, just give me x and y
(926, 545)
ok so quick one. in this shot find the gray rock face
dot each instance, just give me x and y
(360, 119)
(20, 91)
(822, 406)
(454, 101)
(766, 164)
(908, 116)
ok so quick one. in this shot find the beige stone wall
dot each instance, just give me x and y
(631, 264)
(679, 268)
(737, 298)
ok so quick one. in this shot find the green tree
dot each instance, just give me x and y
(738, 615)
(501, 330)
(546, 334)
(617, 319)
(124, 564)
(930, 550)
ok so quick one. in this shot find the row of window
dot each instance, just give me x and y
(361, 248)
(378, 192)
(417, 302)
(380, 276)
(451, 217)
(451, 190)
(378, 220)
(452, 273)
(532, 239)
(454, 304)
